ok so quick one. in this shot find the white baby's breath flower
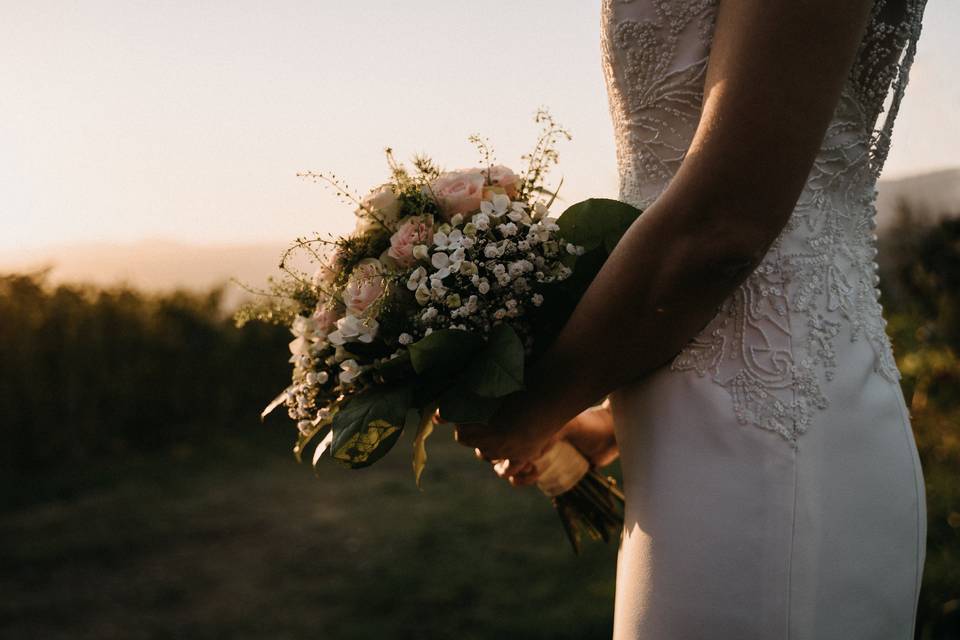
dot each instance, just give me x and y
(491, 251)
(405, 339)
(481, 221)
(429, 314)
(537, 299)
(500, 314)
(508, 229)
(483, 286)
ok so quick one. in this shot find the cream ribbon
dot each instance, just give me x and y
(561, 467)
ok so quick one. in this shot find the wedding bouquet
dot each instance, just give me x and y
(451, 283)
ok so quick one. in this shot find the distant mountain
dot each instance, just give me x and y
(929, 196)
(160, 264)
(152, 265)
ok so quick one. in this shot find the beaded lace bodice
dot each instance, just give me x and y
(775, 341)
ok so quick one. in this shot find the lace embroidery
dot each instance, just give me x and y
(772, 344)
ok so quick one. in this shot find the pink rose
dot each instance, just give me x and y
(325, 318)
(365, 284)
(459, 191)
(412, 231)
(505, 178)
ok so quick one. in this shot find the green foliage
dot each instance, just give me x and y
(93, 372)
(466, 374)
(497, 371)
(921, 279)
(368, 425)
(444, 353)
(597, 223)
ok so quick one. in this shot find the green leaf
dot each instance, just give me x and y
(395, 369)
(462, 406)
(597, 222)
(497, 370)
(368, 425)
(424, 429)
(444, 352)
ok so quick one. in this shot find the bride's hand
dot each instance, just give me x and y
(591, 433)
(512, 434)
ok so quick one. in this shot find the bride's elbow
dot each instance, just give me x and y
(733, 240)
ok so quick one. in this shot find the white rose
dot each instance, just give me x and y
(378, 209)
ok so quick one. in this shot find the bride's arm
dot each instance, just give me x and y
(774, 78)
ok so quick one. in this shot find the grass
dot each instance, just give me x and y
(237, 541)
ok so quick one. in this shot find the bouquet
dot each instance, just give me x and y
(450, 285)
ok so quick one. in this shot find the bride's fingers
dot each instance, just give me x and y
(508, 468)
(525, 478)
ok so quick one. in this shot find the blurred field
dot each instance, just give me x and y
(239, 542)
(141, 498)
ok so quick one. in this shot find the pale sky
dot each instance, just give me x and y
(124, 120)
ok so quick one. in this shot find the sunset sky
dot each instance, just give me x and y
(188, 120)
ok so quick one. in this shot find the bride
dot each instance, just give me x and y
(772, 481)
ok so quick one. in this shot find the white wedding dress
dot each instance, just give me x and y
(772, 480)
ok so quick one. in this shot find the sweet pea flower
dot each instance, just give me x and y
(353, 329)
(351, 369)
(497, 206)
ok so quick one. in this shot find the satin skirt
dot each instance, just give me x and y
(733, 532)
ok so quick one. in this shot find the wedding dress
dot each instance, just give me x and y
(772, 480)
